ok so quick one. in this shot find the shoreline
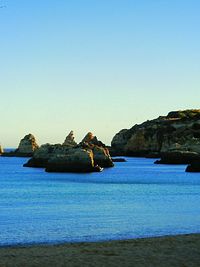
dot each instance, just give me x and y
(173, 250)
(98, 241)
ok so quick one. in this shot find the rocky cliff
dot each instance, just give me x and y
(179, 131)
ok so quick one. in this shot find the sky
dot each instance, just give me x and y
(94, 65)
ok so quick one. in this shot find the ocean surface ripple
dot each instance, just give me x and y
(134, 199)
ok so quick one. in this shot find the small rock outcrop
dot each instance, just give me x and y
(89, 138)
(1, 150)
(89, 155)
(193, 167)
(69, 140)
(26, 148)
(179, 131)
(27, 145)
(178, 157)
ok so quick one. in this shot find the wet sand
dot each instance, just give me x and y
(170, 251)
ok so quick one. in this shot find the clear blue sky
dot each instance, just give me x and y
(95, 65)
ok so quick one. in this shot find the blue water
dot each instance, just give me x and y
(134, 199)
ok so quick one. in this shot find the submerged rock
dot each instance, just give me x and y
(178, 131)
(88, 156)
(26, 148)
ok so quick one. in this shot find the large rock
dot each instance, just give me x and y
(100, 151)
(178, 131)
(88, 156)
(40, 157)
(77, 160)
(102, 157)
(44, 153)
(26, 148)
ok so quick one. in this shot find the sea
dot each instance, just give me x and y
(132, 200)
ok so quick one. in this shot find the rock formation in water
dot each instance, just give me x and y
(76, 160)
(88, 156)
(100, 151)
(27, 145)
(178, 132)
(1, 150)
(178, 157)
(26, 148)
(193, 167)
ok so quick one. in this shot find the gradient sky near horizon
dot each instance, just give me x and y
(95, 65)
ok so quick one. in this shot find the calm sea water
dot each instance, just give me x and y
(134, 199)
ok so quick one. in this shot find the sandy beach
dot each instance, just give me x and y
(170, 251)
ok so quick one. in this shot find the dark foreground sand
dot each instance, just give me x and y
(181, 251)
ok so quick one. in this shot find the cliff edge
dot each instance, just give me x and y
(178, 131)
